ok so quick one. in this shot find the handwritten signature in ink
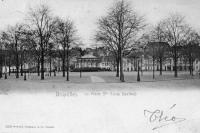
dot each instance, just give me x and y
(160, 117)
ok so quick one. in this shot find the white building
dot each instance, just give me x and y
(196, 66)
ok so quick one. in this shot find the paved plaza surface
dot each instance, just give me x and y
(106, 77)
(100, 81)
(99, 103)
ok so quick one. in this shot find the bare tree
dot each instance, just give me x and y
(50, 53)
(118, 29)
(3, 47)
(34, 49)
(42, 23)
(27, 47)
(111, 46)
(190, 48)
(65, 35)
(175, 30)
(12, 37)
(23, 34)
(161, 46)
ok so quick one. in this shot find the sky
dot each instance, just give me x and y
(85, 13)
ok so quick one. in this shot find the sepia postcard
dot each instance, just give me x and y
(99, 66)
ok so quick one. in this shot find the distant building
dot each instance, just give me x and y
(103, 59)
(196, 66)
(87, 61)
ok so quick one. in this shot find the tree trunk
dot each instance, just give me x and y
(175, 62)
(17, 65)
(42, 63)
(21, 65)
(63, 64)
(185, 65)
(67, 62)
(9, 70)
(141, 67)
(38, 66)
(160, 65)
(117, 61)
(192, 68)
(0, 70)
(138, 71)
(153, 67)
(50, 66)
(17, 60)
(191, 65)
(121, 67)
(175, 67)
(21, 69)
(9, 64)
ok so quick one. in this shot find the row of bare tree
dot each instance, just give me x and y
(172, 37)
(37, 38)
(122, 31)
(182, 39)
